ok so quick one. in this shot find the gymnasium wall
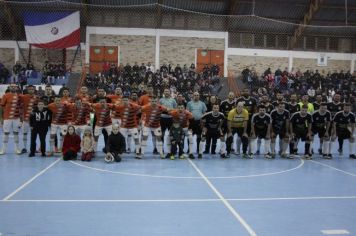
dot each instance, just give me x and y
(182, 50)
(311, 64)
(259, 63)
(133, 48)
(7, 57)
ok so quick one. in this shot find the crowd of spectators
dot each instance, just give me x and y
(179, 79)
(312, 83)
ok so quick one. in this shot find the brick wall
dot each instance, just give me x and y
(237, 63)
(179, 50)
(311, 64)
(7, 57)
(132, 48)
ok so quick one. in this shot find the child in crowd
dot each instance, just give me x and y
(87, 145)
(115, 145)
(71, 144)
(176, 134)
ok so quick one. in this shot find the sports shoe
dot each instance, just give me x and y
(200, 156)
(213, 153)
(244, 155)
(128, 150)
(162, 156)
(2, 152)
(222, 155)
(18, 151)
(250, 156)
(268, 156)
(237, 152)
(138, 156)
(326, 156)
(291, 156)
(340, 151)
(330, 156)
(31, 155)
(353, 156)
(109, 158)
(206, 152)
(168, 156)
(273, 155)
(49, 154)
(320, 151)
(191, 156)
(182, 156)
(284, 155)
(155, 152)
(43, 155)
(307, 157)
(24, 150)
(227, 155)
(172, 157)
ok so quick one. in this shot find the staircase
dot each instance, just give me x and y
(74, 81)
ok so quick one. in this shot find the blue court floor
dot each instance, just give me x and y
(209, 196)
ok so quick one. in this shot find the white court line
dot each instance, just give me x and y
(190, 177)
(183, 200)
(226, 203)
(335, 231)
(334, 168)
(30, 180)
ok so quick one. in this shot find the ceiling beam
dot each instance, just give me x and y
(159, 16)
(314, 6)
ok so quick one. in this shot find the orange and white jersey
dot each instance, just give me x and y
(80, 115)
(102, 114)
(28, 102)
(11, 103)
(128, 115)
(84, 98)
(144, 100)
(59, 113)
(66, 99)
(115, 99)
(152, 115)
(182, 117)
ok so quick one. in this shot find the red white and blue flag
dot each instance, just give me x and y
(52, 30)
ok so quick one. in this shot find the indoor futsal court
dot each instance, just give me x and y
(209, 196)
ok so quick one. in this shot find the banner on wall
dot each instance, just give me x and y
(322, 60)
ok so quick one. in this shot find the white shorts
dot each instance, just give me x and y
(79, 129)
(98, 130)
(147, 130)
(116, 121)
(25, 127)
(133, 132)
(63, 129)
(12, 124)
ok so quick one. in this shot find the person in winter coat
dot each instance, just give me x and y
(87, 145)
(40, 120)
(115, 145)
(71, 144)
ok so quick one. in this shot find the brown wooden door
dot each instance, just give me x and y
(210, 57)
(101, 54)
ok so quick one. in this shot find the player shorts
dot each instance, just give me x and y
(147, 130)
(63, 129)
(11, 124)
(25, 127)
(343, 133)
(132, 132)
(98, 130)
(320, 131)
(261, 133)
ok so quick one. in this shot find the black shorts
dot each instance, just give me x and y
(196, 128)
(261, 133)
(343, 133)
(279, 132)
(320, 131)
(224, 127)
(302, 135)
(166, 123)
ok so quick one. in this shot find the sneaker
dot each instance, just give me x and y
(31, 155)
(236, 152)
(206, 152)
(330, 156)
(24, 150)
(55, 149)
(168, 156)
(250, 156)
(128, 150)
(307, 157)
(118, 159)
(18, 152)
(104, 150)
(340, 151)
(200, 156)
(320, 151)
(172, 157)
(191, 156)
(162, 156)
(155, 152)
(273, 155)
(2, 152)
(268, 156)
(290, 156)
(213, 152)
(222, 155)
(244, 155)
(43, 155)
(182, 156)
(138, 156)
(353, 156)
(284, 155)
(49, 154)
(227, 155)
(326, 156)
(109, 159)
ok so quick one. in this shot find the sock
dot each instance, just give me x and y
(267, 145)
(51, 146)
(159, 146)
(129, 140)
(238, 144)
(168, 144)
(16, 141)
(330, 146)
(291, 147)
(310, 147)
(202, 146)
(137, 146)
(325, 148)
(143, 146)
(307, 148)
(284, 147)
(190, 140)
(280, 145)
(24, 140)
(253, 146)
(350, 147)
(60, 144)
(273, 147)
(5, 141)
(222, 147)
(154, 141)
(259, 141)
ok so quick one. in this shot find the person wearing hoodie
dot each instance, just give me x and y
(87, 145)
(115, 145)
(71, 144)
(40, 120)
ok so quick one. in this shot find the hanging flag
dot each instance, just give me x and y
(52, 30)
